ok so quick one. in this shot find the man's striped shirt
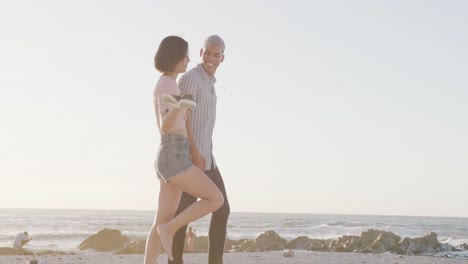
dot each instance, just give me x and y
(198, 83)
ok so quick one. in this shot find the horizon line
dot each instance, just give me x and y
(241, 212)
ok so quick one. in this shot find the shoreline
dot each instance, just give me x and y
(373, 242)
(271, 257)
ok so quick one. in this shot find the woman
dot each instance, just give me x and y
(174, 168)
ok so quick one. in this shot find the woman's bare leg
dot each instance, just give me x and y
(167, 205)
(194, 182)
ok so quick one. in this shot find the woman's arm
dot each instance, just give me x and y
(168, 119)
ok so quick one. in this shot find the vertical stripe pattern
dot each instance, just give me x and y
(198, 83)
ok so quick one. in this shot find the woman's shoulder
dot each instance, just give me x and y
(165, 81)
(166, 85)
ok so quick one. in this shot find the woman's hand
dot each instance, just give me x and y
(198, 160)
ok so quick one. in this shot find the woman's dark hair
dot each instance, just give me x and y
(171, 51)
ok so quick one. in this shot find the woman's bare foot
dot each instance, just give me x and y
(166, 240)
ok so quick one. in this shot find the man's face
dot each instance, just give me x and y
(212, 56)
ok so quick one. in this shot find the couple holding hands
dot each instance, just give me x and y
(191, 185)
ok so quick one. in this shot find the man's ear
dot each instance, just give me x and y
(222, 59)
(201, 52)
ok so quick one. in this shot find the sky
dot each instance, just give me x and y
(324, 107)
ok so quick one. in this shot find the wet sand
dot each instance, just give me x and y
(272, 257)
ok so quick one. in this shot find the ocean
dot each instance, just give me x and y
(66, 229)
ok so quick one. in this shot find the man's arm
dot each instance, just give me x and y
(188, 86)
(195, 155)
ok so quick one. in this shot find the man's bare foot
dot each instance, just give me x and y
(166, 240)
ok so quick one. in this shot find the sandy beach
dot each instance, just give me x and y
(301, 257)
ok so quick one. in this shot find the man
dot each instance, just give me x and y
(199, 82)
(20, 240)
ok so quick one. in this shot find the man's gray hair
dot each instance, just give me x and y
(216, 40)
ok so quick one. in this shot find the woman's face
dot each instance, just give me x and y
(182, 65)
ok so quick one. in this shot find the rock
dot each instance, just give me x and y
(8, 251)
(385, 241)
(33, 261)
(201, 244)
(407, 246)
(463, 246)
(301, 242)
(446, 247)
(370, 241)
(376, 241)
(105, 240)
(289, 253)
(318, 245)
(234, 245)
(425, 244)
(346, 244)
(245, 245)
(370, 236)
(267, 241)
(135, 247)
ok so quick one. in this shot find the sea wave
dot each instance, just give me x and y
(51, 236)
(455, 241)
(347, 224)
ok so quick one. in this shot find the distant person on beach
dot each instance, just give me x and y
(175, 170)
(21, 239)
(200, 82)
(191, 234)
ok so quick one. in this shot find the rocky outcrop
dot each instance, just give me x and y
(235, 245)
(376, 241)
(318, 245)
(289, 253)
(301, 242)
(105, 240)
(425, 244)
(370, 241)
(268, 241)
(8, 251)
(463, 246)
(201, 244)
(135, 247)
(246, 243)
(345, 244)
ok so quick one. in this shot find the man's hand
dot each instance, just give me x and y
(198, 160)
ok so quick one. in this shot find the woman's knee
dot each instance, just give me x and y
(223, 212)
(163, 219)
(217, 200)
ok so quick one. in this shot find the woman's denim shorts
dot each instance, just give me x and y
(173, 156)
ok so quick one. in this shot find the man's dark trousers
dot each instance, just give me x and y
(217, 233)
